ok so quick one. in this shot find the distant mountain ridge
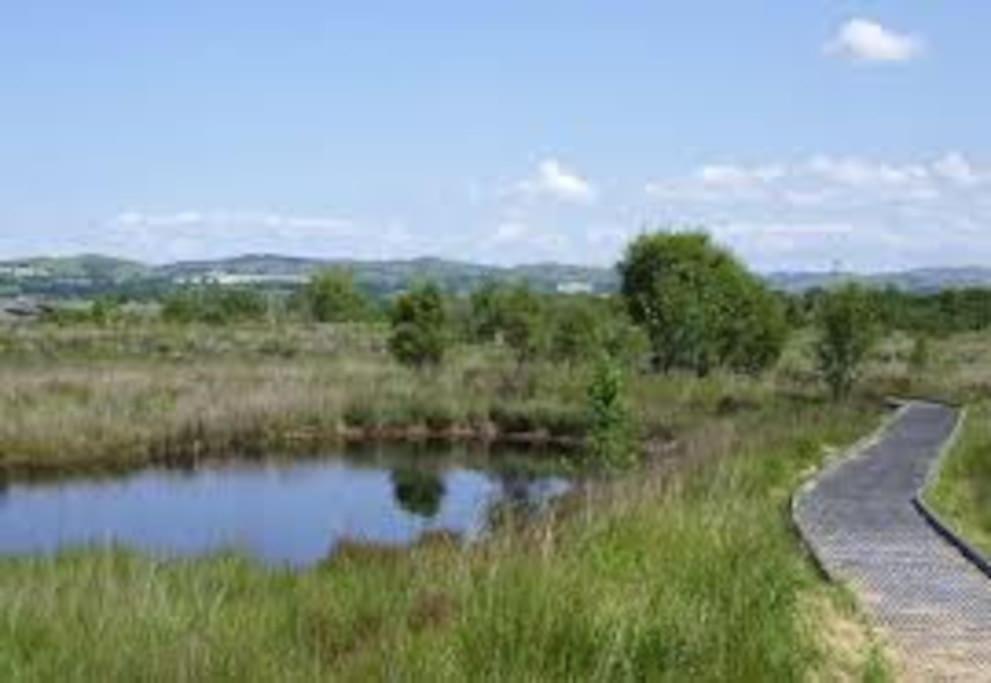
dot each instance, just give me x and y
(90, 273)
(913, 280)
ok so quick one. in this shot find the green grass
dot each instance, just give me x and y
(962, 492)
(108, 406)
(685, 574)
(90, 397)
(684, 569)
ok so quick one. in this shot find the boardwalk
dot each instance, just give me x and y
(859, 520)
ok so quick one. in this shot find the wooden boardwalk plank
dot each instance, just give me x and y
(860, 522)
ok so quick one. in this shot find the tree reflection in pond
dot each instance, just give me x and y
(518, 501)
(418, 491)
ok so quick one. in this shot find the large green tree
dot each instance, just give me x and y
(700, 307)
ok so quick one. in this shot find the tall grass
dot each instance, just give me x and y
(80, 397)
(116, 407)
(686, 574)
(963, 490)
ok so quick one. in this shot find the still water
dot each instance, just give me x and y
(280, 511)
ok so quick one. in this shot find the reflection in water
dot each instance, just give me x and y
(418, 491)
(516, 486)
(280, 511)
(522, 495)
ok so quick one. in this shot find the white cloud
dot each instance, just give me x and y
(509, 231)
(556, 181)
(820, 181)
(193, 234)
(955, 168)
(726, 175)
(232, 220)
(864, 40)
(862, 173)
(865, 213)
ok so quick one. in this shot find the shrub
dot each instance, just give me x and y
(847, 330)
(611, 439)
(699, 306)
(579, 330)
(419, 327)
(214, 305)
(332, 297)
(921, 354)
(484, 310)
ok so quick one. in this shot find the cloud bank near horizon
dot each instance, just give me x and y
(811, 213)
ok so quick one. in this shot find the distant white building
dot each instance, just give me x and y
(575, 287)
(20, 271)
(222, 278)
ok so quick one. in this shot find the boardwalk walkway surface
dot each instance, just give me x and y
(859, 520)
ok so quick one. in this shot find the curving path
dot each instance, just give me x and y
(860, 522)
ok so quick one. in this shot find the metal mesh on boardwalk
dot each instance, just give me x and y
(860, 521)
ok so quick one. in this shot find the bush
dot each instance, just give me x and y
(699, 306)
(419, 327)
(579, 330)
(846, 323)
(611, 439)
(331, 297)
(921, 354)
(214, 305)
(558, 420)
(484, 312)
(523, 323)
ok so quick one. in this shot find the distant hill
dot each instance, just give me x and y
(85, 266)
(915, 280)
(386, 277)
(93, 274)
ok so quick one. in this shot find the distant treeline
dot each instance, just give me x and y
(334, 296)
(946, 312)
(685, 304)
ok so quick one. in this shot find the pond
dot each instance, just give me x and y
(281, 511)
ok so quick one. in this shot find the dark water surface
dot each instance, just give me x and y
(282, 511)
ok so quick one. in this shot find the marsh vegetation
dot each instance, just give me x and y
(700, 400)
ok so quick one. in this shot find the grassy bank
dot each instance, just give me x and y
(91, 397)
(78, 397)
(685, 569)
(962, 492)
(687, 573)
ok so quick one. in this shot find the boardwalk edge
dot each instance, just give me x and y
(934, 520)
(855, 450)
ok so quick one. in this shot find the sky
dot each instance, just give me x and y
(803, 135)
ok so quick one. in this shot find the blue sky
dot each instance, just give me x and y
(799, 133)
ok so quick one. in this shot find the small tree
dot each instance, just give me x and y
(921, 354)
(522, 323)
(754, 329)
(610, 439)
(485, 306)
(332, 297)
(419, 327)
(847, 330)
(579, 329)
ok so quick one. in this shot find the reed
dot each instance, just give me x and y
(688, 573)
